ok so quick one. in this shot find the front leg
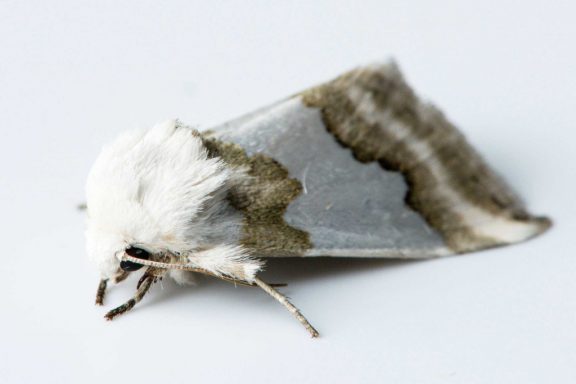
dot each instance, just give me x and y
(149, 277)
(101, 292)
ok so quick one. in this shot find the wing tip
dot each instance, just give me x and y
(541, 225)
(513, 232)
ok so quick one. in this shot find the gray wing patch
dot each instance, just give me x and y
(348, 208)
(382, 173)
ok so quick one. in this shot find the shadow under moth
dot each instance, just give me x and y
(356, 167)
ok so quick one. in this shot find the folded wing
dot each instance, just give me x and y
(361, 167)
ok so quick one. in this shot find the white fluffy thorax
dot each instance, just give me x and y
(160, 191)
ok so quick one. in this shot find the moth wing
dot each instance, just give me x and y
(361, 167)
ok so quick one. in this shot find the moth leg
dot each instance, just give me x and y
(101, 292)
(289, 306)
(121, 276)
(149, 277)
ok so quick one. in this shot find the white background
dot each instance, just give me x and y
(73, 74)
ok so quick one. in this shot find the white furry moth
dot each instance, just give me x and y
(356, 167)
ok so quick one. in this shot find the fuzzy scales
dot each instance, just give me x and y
(159, 191)
(358, 167)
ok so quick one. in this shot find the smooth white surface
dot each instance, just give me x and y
(74, 74)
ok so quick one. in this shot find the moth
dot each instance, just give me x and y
(356, 167)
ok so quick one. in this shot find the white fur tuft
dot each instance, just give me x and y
(159, 190)
(229, 260)
(182, 277)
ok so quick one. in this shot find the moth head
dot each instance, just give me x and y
(107, 250)
(117, 226)
(139, 253)
(157, 190)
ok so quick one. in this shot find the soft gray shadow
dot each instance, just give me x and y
(298, 269)
(291, 270)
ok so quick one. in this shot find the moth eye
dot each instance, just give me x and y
(139, 253)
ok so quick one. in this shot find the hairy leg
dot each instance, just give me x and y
(121, 276)
(101, 292)
(149, 277)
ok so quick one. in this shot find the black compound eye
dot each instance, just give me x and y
(139, 253)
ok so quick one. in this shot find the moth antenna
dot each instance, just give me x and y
(288, 305)
(183, 267)
(268, 288)
(159, 264)
(189, 268)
